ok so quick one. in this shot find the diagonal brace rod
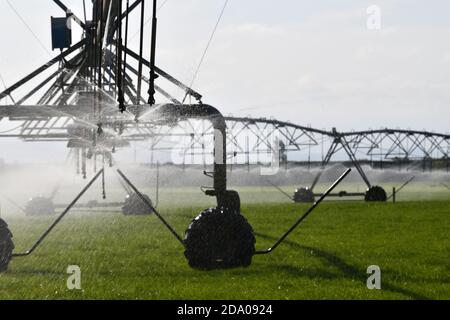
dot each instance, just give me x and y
(302, 218)
(446, 186)
(58, 220)
(164, 74)
(355, 162)
(402, 186)
(38, 71)
(150, 206)
(281, 190)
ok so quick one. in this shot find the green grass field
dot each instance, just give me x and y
(326, 258)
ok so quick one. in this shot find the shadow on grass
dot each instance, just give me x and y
(28, 271)
(347, 271)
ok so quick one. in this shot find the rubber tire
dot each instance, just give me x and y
(304, 195)
(219, 239)
(6, 246)
(39, 206)
(376, 194)
(134, 206)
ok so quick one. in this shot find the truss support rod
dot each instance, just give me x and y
(327, 159)
(355, 162)
(39, 87)
(157, 88)
(302, 218)
(58, 220)
(58, 58)
(58, 85)
(164, 74)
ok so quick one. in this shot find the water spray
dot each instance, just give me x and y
(219, 237)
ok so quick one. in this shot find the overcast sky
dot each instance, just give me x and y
(310, 62)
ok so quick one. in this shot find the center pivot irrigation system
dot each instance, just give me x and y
(99, 95)
(92, 102)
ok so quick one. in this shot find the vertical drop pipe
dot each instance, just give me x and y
(141, 49)
(153, 76)
(126, 43)
(120, 96)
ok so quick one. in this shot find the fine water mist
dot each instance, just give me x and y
(179, 185)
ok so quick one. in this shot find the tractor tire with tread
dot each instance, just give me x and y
(134, 206)
(304, 195)
(376, 194)
(6, 246)
(219, 239)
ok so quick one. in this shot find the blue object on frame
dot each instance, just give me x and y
(61, 33)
